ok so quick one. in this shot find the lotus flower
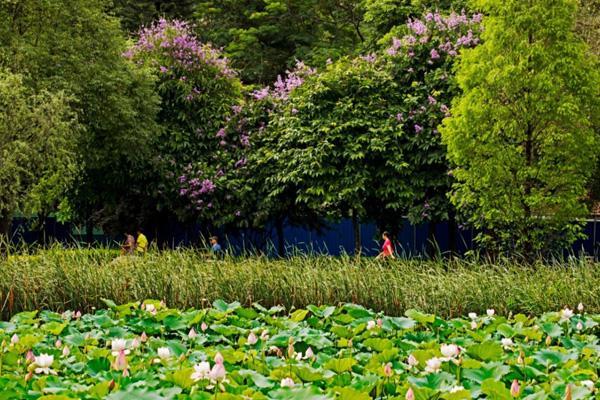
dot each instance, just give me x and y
(43, 363)
(371, 325)
(589, 385)
(119, 345)
(379, 322)
(433, 365)
(287, 382)
(566, 314)
(192, 333)
(472, 315)
(203, 327)
(219, 358)
(217, 372)
(264, 336)
(507, 343)
(252, 339)
(77, 315)
(135, 343)
(580, 307)
(201, 371)
(412, 361)
(410, 395)
(163, 353)
(299, 356)
(151, 308)
(579, 326)
(449, 350)
(473, 325)
(455, 389)
(490, 312)
(515, 389)
(309, 353)
(14, 339)
(144, 337)
(66, 351)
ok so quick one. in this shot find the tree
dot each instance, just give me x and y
(38, 138)
(264, 38)
(521, 134)
(74, 46)
(135, 14)
(198, 90)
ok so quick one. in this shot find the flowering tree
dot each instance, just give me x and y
(198, 89)
(521, 135)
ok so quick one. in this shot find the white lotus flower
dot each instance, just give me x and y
(66, 351)
(287, 382)
(43, 362)
(201, 371)
(371, 325)
(117, 345)
(473, 325)
(151, 308)
(433, 365)
(566, 314)
(309, 353)
(252, 339)
(449, 350)
(490, 312)
(412, 361)
(472, 315)
(192, 333)
(455, 389)
(163, 352)
(580, 307)
(14, 339)
(507, 343)
(299, 356)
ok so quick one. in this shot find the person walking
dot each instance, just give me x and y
(141, 242)
(129, 245)
(215, 247)
(387, 250)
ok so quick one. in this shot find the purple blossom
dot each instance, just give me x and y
(164, 70)
(417, 26)
(222, 143)
(399, 117)
(434, 54)
(241, 162)
(371, 58)
(183, 192)
(444, 109)
(245, 140)
(221, 133)
(431, 99)
(418, 128)
(261, 94)
(238, 213)
(207, 186)
(236, 109)
(294, 111)
(182, 179)
(391, 51)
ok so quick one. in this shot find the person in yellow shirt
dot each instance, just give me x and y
(141, 243)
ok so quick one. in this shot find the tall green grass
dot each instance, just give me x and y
(79, 279)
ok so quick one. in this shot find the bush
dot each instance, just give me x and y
(78, 280)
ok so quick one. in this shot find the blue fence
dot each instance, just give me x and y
(336, 239)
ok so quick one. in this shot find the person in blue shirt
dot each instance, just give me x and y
(215, 247)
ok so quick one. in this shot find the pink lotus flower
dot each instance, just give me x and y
(579, 326)
(410, 395)
(387, 370)
(121, 361)
(201, 371)
(371, 325)
(287, 382)
(77, 315)
(29, 357)
(203, 327)
(379, 322)
(58, 344)
(449, 350)
(412, 361)
(192, 333)
(218, 370)
(43, 363)
(264, 336)
(580, 307)
(66, 351)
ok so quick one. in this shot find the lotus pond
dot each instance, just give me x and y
(149, 351)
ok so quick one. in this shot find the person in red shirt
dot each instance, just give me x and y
(387, 250)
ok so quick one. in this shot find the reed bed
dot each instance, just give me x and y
(59, 279)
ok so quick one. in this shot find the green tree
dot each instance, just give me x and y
(137, 13)
(76, 47)
(38, 138)
(521, 135)
(264, 38)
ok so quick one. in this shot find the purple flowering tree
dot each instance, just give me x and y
(198, 90)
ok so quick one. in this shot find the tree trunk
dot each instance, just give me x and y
(356, 232)
(280, 237)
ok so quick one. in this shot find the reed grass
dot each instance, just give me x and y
(59, 279)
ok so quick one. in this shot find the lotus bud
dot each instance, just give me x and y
(580, 307)
(29, 376)
(490, 312)
(203, 327)
(299, 356)
(309, 353)
(521, 358)
(548, 340)
(264, 336)
(121, 361)
(163, 353)
(515, 389)
(29, 358)
(219, 358)
(473, 325)
(77, 315)
(192, 333)
(58, 344)
(579, 326)
(125, 373)
(66, 351)
(412, 361)
(472, 315)
(371, 325)
(252, 339)
(111, 385)
(290, 350)
(387, 370)
(14, 339)
(144, 337)
(349, 342)
(410, 395)
(163, 304)
(379, 322)
(135, 343)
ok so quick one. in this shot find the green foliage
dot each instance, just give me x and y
(76, 47)
(137, 13)
(51, 279)
(521, 135)
(272, 355)
(264, 38)
(38, 138)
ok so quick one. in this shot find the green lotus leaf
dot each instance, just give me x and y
(486, 351)
(495, 390)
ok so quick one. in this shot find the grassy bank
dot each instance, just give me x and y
(78, 280)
